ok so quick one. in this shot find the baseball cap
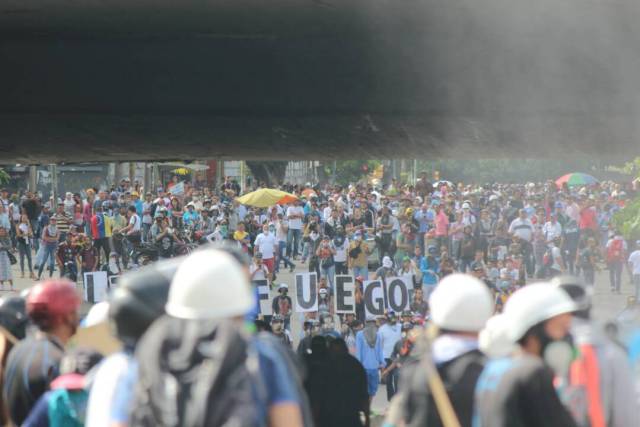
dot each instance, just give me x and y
(386, 262)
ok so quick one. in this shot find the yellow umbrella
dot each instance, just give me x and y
(181, 171)
(265, 197)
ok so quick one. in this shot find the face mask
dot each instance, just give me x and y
(52, 229)
(404, 335)
(559, 355)
(276, 327)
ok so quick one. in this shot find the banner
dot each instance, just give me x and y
(177, 189)
(95, 286)
(374, 298)
(398, 292)
(306, 292)
(390, 294)
(344, 300)
(263, 297)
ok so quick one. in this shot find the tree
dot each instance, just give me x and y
(4, 177)
(269, 173)
(627, 220)
(350, 171)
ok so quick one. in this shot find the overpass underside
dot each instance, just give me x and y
(99, 80)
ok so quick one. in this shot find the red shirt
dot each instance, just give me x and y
(588, 219)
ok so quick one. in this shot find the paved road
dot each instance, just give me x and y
(606, 306)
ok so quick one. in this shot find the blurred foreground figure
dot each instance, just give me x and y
(138, 301)
(66, 403)
(460, 306)
(518, 390)
(197, 366)
(34, 362)
(600, 376)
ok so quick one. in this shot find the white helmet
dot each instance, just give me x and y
(493, 339)
(209, 284)
(534, 304)
(461, 303)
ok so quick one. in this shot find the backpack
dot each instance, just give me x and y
(614, 251)
(195, 373)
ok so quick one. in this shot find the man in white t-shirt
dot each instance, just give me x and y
(282, 230)
(267, 245)
(552, 228)
(134, 227)
(634, 266)
(295, 215)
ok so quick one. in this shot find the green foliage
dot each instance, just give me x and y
(506, 170)
(627, 220)
(4, 177)
(350, 171)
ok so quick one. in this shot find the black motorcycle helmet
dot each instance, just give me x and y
(13, 316)
(140, 299)
(578, 291)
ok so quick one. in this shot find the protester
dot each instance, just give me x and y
(369, 354)
(600, 371)
(460, 306)
(207, 300)
(519, 389)
(34, 362)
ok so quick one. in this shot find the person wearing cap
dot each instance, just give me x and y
(600, 369)
(282, 305)
(34, 362)
(66, 403)
(385, 270)
(460, 306)
(190, 217)
(519, 389)
(390, 333)
(208, 299)
(369, 353)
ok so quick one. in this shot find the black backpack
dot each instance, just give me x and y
(195, 373)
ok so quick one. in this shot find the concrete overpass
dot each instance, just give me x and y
(98, 80)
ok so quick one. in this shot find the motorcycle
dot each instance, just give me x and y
(70, 271)
(145, 254)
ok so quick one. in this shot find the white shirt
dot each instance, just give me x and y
(341, 251)
(390, 336)
(135, 222)
(634, 260)
(281, 231)
(261, 274)
(110, 373)
(551, 230)
(556, 254)
(295, 223)
(523, 228)
(146, 213)
(266, 244)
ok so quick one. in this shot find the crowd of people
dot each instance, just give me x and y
(480, 344)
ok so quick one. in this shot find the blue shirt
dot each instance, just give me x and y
(425, 219)
(371, 358)
(430, 270)
(190, 217)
